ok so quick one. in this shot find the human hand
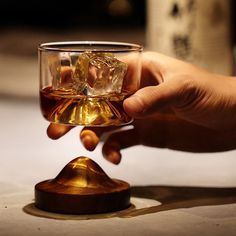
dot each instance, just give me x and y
(178, 106)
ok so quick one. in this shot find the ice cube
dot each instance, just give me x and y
(93, 73)
(74, 57)
(99, 74)
(54, 68)
(81, 73)
(65, 59)
(61, 72)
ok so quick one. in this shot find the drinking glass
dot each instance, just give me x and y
(85, 82)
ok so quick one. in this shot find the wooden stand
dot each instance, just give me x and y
(82, 187)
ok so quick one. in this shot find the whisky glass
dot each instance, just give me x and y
(86, 82)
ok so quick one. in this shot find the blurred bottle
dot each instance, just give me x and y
(192, 30)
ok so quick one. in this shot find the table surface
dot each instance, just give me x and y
(173, 193)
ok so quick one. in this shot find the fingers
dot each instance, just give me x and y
(152, 99)
(90, 136)
(89, 139)
(116, 142)
(164, 82)
(55, 131)
(111, 152)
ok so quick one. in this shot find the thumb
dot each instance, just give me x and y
(154, 98)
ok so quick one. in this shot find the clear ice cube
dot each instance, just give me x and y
(99, 74)
(81, 73)
(93, 73)
(61, 72)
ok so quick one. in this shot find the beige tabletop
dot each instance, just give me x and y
(173, 193)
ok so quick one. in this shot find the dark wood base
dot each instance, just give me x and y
(82, 187)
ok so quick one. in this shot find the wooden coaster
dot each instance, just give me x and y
(82, 187)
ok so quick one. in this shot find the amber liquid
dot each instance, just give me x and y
(66, 108)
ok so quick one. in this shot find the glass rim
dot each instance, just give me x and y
(81, 46)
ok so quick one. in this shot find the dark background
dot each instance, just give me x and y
(75, 20)
(52, 14)
(55, 15)
(233, 21)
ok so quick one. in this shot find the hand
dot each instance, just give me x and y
(178, 106)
